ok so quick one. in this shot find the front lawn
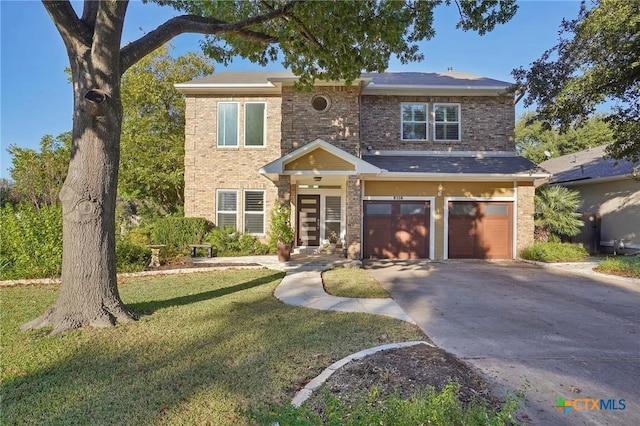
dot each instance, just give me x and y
(624, 266)
(345, 282)
(211, 346)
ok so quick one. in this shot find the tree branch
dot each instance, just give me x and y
(70, 27)
(89, 13)
(303, 28)
(133, 52)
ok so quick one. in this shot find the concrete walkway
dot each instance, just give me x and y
(302, 285)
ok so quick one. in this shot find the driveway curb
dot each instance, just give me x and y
(306, 392)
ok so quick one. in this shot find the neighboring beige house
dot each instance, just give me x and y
(610, 192)
(399, 165)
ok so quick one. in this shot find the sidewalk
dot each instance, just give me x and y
(302, 285)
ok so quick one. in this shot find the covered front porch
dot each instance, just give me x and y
(322, 183)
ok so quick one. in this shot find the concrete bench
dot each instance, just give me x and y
(194, 247)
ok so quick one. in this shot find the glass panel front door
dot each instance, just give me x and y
(308, 220)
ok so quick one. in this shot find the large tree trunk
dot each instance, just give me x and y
(89, 293)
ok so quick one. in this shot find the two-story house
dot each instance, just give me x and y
(399, 165)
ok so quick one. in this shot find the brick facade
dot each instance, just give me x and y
(525, 213)
(487, 123)
(354, 217)
(339, 125)
(209, 167)
(352, 121)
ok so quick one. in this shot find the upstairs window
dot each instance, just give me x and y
(446, 122)
(227, 206)
(414, 121)
(254, 120)
(228, 124)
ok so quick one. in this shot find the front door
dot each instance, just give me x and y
(308, 220)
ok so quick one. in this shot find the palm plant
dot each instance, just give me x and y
(555, 212)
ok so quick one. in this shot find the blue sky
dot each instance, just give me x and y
(36, 97)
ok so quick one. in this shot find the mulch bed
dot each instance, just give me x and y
(404, 372)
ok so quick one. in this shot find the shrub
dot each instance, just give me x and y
(131, 257)
(228, 242)
(178, 232)
(556, 212)
(281, 230)
(554, 252)
(30, 241)
(624, 266)
(141, 236)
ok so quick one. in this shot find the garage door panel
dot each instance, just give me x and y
(462, 238)
(396, 230)
(481, 230)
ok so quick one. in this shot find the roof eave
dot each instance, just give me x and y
(589, 180)
(485, 177)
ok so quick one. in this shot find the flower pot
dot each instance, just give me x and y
(284, 252)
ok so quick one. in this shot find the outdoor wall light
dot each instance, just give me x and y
(440, 188)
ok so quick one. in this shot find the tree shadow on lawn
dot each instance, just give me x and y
(200, 366)
(152, 306)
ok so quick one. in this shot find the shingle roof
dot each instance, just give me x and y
(585, 165)
(242, 77)
(454, 164)
(434, 79)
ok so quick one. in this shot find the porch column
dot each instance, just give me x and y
(284, 188)
(354, 218)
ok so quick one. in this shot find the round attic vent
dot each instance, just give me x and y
(320, 103)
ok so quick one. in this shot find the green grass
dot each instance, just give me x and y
(424, 408)
(624, 266)
(352, 283)
(554, 252)
(211, 347)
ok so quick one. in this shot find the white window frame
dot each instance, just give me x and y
(218, 211)
(237, 104)
(435, 123)
(426, 122)
(264, 125)
(245, 212)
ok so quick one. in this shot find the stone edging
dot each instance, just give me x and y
(315, 384)
(45, 281)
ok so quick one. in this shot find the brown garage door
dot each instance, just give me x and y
(396, 230)
(480, 230)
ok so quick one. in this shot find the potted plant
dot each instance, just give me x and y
(281, 233)
(333, 240)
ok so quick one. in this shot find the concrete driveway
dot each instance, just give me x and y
(564, 334)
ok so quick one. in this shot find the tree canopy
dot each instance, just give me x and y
(596, 61)
(38, 176)
(534, 139)
(334, 40)
(152, 144)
